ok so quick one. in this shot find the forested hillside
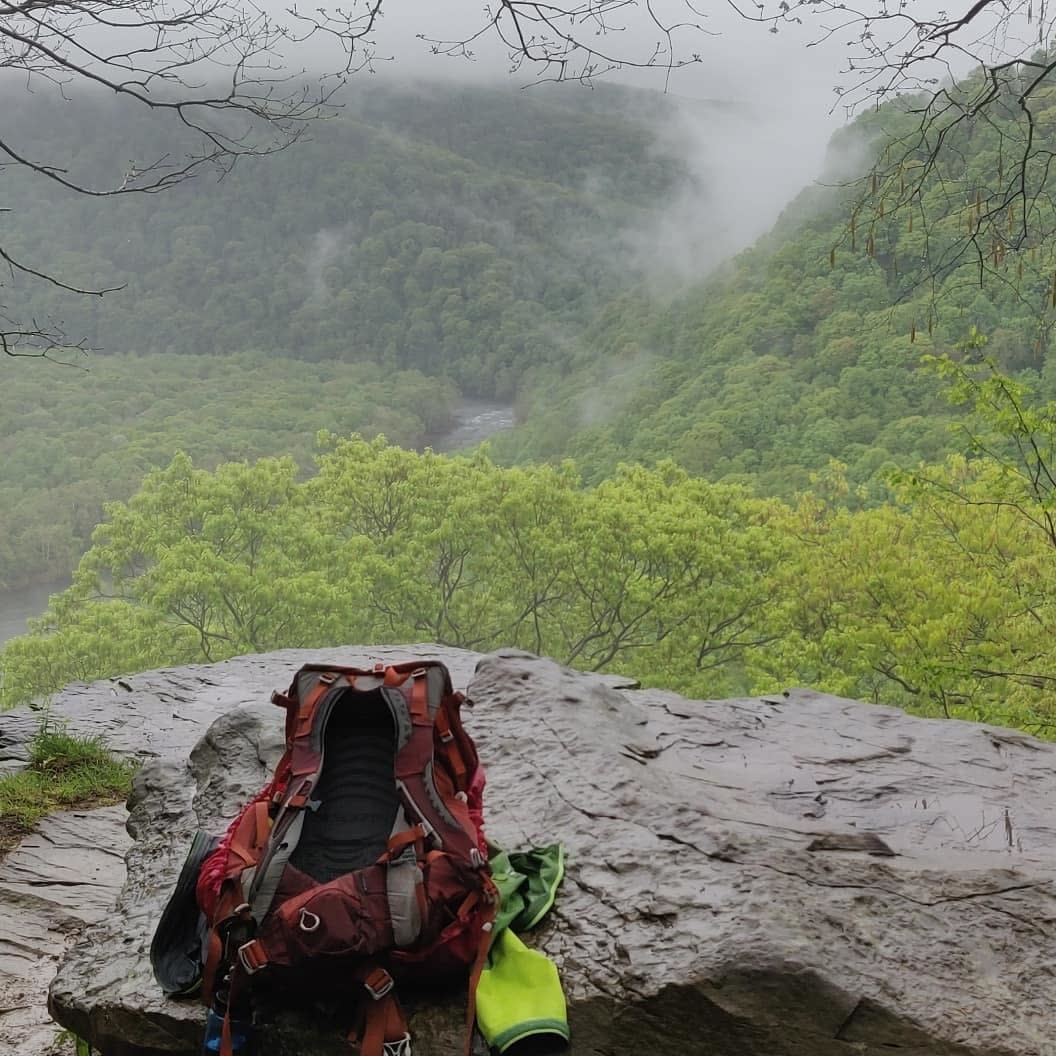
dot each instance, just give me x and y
(805, 514)
(942, 600)
(466, 233)
(73, 439)
(805, 348)
(426, 243)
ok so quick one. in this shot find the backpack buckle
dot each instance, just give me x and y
(378, 983)
(399, 1047)
(251, 957)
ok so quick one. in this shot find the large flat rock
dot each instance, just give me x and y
(795, 874)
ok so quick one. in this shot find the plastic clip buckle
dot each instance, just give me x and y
(378, 992)
(244, 959)
(399, 1047)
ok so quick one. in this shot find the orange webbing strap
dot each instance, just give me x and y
(226, 1043)
(306, 713)
(383, 1020)
(414, 835)
(252, 957)
(478, 969)
(249, 841)
(219, 955)
(214, 954)
(451, 748)
(229, 907)
(394, 677)
(385, 1024)
(420, 696)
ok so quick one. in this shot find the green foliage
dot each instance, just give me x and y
(66, 1038)
(70, 440)
(907, 558)
(54, 750)
(387, 545)
(806, 347)
(941, 600)
(65, 771)
(940, 604)
(465, 233)
(429, 240)
(763, 376)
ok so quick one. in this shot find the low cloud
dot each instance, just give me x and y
(745, 164)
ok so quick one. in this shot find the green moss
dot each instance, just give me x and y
(65, 772)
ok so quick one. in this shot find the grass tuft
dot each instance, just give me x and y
(65, 772)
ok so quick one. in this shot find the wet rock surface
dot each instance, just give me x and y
(71, 870)
(795, 874)
(65, 875)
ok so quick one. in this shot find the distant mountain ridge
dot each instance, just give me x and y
(427, 241)
(465, 232)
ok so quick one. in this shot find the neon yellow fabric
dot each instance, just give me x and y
(519, 995)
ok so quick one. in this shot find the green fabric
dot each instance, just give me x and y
(519, 995)
(527, 883)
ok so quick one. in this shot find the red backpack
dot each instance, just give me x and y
(363, 861)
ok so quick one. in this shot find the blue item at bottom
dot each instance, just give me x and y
(214, 1032)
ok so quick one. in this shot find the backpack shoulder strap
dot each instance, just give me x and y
(428, 793)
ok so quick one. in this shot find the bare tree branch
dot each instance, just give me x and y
(569, 41)
(221, 71)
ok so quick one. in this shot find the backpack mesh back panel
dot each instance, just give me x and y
(356, 794)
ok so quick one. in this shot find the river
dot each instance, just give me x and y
(18, 606)
(476, 421)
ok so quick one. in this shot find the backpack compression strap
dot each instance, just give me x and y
(384, 1030)
(475, 973)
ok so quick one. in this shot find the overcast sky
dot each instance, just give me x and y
(753, 160)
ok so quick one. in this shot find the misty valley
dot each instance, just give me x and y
(527, 528)
(486, 368)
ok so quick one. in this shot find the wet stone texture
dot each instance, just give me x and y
(796, 874)
(66, 874)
